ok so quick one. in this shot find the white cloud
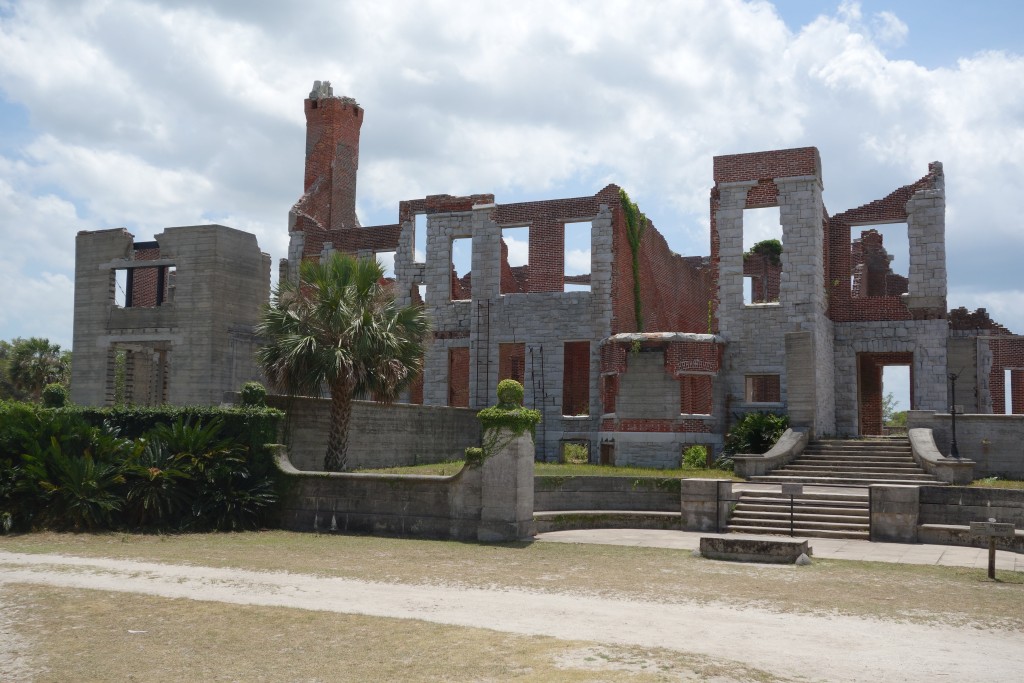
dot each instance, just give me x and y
(147, 114)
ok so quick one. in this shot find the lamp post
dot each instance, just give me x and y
(954, 451)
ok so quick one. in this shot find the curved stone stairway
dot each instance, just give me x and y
(836, 474)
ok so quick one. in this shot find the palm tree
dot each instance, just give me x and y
(34, 363)
(340, 328)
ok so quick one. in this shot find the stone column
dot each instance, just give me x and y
(895, 510)
(506, 496)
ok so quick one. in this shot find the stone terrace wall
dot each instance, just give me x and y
(606, 493)
(962, 505)
(382, 436)
(489, 502)
(994, 442)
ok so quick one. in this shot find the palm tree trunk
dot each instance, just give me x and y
(336, 459)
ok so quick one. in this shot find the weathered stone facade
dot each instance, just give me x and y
(828, 314)
(647, 353)
(182, 332)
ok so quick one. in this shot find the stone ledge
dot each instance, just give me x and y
(958, 534)
(753, 550)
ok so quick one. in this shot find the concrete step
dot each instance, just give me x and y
(837, 472)
(802, 524)
(561, 520)
(851, 480)
(802, 466)
(774, 508)
(813, 533)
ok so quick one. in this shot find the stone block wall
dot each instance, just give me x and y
(961, 505)
(924, 340)
(755, 334)
(606, 493)
(994, 442)
(197, 344)
(394, 435)
(490, 502)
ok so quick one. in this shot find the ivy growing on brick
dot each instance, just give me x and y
(636, 222)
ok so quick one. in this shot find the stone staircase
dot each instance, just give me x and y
(837, 506)
(862, 462)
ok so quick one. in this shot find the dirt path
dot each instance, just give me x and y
(836, 648)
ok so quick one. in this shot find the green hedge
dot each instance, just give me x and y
(164, 468)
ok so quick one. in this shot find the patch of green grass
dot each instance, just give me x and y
(553, 469)
(444, 469)
(557, 469)
(997, 483)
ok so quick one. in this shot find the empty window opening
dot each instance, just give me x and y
(515, 260)
(137, 375)
(1008, 406)
(695, 394)
(120, 293)
(512, 362)
(576, 452)
(170, 284)
(419, 238)
(576, 378)
(879, 260)
(762, 389)
(608, 453)
(421, 294)
(386, 259)
(577, 257)
(895, 399)
(458, 377)
(762, 255)
(462, 259)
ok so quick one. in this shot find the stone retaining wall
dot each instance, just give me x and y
(488, 502)
(962, 505)
(639, 494)
(382, 436)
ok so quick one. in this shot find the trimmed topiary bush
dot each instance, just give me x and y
(55, 396)
(510, 394)
(253, 395)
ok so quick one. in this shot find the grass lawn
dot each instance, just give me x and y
(554, 469)
(997, 483)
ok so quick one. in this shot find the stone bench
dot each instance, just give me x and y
(960, 534)
(753, 550)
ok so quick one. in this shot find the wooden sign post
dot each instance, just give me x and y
(792, 490)
(992, 530)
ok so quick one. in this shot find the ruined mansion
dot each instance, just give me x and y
(644, 355)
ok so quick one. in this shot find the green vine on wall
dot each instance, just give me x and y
(636, 221)
(501, 424)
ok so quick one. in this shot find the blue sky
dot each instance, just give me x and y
(146, 114)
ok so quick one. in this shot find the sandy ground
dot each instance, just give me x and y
(828, 648)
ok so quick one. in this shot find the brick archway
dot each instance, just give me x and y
(869, 387)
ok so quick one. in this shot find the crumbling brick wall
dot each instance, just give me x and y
(889, 305)
(332, 159)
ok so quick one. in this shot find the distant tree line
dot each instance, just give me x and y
(27, 366)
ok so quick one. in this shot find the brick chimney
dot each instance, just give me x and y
(332, 157)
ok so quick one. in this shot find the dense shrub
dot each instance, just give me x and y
(695, 457)
(253, 395)
(55, 396)
(165, 468)
(755, 433)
